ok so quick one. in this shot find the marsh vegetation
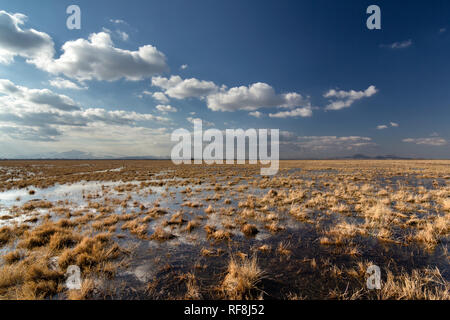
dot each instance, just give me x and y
(153, 230)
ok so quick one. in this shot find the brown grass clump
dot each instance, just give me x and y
(242, 278)
(37, 204)
(192, 288)
(209, 209)
(92, 254)
(446, 204)
(6, 234)
(300, 213)
(425, 284)
(192, 204)
(274, 227)
(219, 235)
(264, 248)
(136, 227)
(177, 219)
(50, 234)
(337, 241)
(345, 229)
(430, 233)
(249, 230)
(105, 223)
(192, 225)
(161, 235)
(283, 249)
(13, 256)
(30, 278)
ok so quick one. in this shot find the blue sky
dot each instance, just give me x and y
(309, 68)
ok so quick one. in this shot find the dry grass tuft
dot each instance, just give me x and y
(51, 234)
(161, 235)
(242, 278)
(249, 230)
(425, 284)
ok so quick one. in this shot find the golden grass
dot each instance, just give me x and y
(425, 284)
(56, 235)
(160, 234)
(30, 278)
(242, 278)
(345, 191)
(249, 230)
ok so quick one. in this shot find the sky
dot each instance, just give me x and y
(138, 70)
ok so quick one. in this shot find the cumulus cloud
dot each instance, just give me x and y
(433, 141)
(384, 126)
(176, 87)
(35, 46)
(251, 98)
(166, 108)
(29, 133)
(322, 143)
(183, 66)
(97, 58)
(344, 99)
(62, 83)
(161, 97)
(298, 112)
(255, 114)
(398, 45)
(45, 113)
(36, 96)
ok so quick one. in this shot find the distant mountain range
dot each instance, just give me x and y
(386, 157)
(82, 155)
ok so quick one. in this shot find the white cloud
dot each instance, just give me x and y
(253, 97)
(298, 112)
(255, 114)
(183, 66)
(176, 87)
(324, 143)
(97, 58)
(43, 97)
(384, 126)
(47, 115)
(161, 97)
(344, 99)
(165, 108)
(35, 46)
(434, 141)
(117, 21)
(62, 83)
(398, 45)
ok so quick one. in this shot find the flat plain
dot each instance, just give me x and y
(154, 230)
